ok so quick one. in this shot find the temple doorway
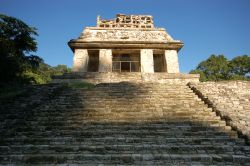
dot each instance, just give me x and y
(124, 61)
(159, 62)
(93, 64)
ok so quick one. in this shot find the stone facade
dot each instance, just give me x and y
(147, 64)
(81, 59)
(105, 60)
(172, 63)
(129, 21)
(230, 99)
(126, 33)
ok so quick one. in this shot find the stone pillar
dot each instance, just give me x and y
(105, 60)
(147, 61)
(81, 59)
(172, 64)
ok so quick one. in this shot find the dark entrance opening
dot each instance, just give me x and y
(93, 64)
(159, 63)
(126, 62)
(125, 67)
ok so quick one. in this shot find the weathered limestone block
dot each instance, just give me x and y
(105, 60)
(147, 61)
(230, 99)
(171, 57)
(81, 59)
(97, 34)
(112, 77)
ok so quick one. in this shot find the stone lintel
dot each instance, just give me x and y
(125, 45)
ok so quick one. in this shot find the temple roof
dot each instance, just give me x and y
(127, 21)
(125, 29)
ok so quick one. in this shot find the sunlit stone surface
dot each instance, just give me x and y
(127, 33)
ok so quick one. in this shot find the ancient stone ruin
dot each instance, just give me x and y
(230, 100)
(126, 44)
(129, 21)
(127, 48)
(141, 111)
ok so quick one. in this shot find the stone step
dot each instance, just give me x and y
(56, 131)
(171, 110)
(108, 112)
(72, 125)
(109, 140)
(118, 124)
(86, 121)
(75, 125)
(124, 158)
(126, 148)
(122, 114)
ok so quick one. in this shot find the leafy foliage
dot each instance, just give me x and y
(217, 68)
(17, 64)
(44, 72)
(16, 43)
(240, 65)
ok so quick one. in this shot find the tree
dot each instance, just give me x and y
(16, 43)
(60, 69)
(215, 68)
(240, 65)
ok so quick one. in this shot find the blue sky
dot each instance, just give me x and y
(205, 26)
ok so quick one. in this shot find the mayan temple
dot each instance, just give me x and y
(126, 44)
(127, 48)
(138, 109)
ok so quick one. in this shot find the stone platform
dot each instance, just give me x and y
(125, 43)
(116, 124)
(112, 77)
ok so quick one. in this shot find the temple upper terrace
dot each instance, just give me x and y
(127, 21)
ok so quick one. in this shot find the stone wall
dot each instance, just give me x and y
(122, 34)
(127, 21)
(97, 77)
(81, 59)
(84, 60)
(105, 63)
(231, 100)
(171, 57)
(147, 61)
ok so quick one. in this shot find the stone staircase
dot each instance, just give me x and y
(118, 124)
(230, 99)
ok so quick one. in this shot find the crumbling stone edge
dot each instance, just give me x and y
(210, 104)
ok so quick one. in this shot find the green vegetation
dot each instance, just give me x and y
(17, 63)
(44, 72)
(16, 44)
(217, 68)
